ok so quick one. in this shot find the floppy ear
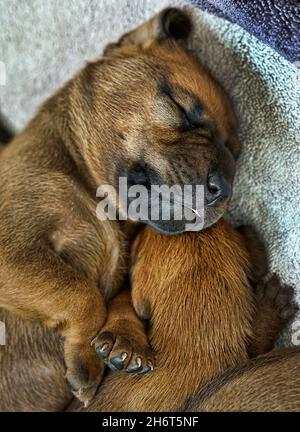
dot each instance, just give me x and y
(170, 23)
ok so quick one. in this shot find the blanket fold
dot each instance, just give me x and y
(275, 22)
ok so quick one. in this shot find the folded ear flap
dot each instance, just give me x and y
(171, 23)
(175, 24)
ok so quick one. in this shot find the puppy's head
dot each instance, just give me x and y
(157, 117)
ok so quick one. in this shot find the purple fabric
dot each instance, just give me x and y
(276, 23)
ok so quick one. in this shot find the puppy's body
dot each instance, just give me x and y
(204, 319)
(55, 264)
(31, 367)
(150, 112)
(266, 383)
(196, 292)
(147, 111)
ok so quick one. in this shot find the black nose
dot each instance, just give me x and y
(218, 188)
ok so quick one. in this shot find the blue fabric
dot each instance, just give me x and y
(275, 22)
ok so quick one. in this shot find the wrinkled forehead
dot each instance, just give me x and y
(169, 68)
(181, 74)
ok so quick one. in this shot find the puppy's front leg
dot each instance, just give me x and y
(123, 343)
(47, 289)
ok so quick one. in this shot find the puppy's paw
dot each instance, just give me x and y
(275, 307)
(84, 372)
(277, 298)
(124, 352)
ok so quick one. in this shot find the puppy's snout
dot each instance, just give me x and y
(218, 188)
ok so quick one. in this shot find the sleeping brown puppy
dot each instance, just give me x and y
(146, 111)
(196, 291)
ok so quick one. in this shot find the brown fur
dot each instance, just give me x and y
(31, 368)
(58, 263)
(195, 289)
(267, 383)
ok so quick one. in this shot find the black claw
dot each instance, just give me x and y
(145, 369)
(106, 341)
(111, 366)
(135, 368)
(102, 350)
(118, 362)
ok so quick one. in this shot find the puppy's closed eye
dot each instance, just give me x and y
(184, 113)
(191, 111)
(192, 117)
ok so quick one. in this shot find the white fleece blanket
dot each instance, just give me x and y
(42, 44)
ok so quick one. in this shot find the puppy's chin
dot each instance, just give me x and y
(213, 214)
(167, 227)
(175, 227)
